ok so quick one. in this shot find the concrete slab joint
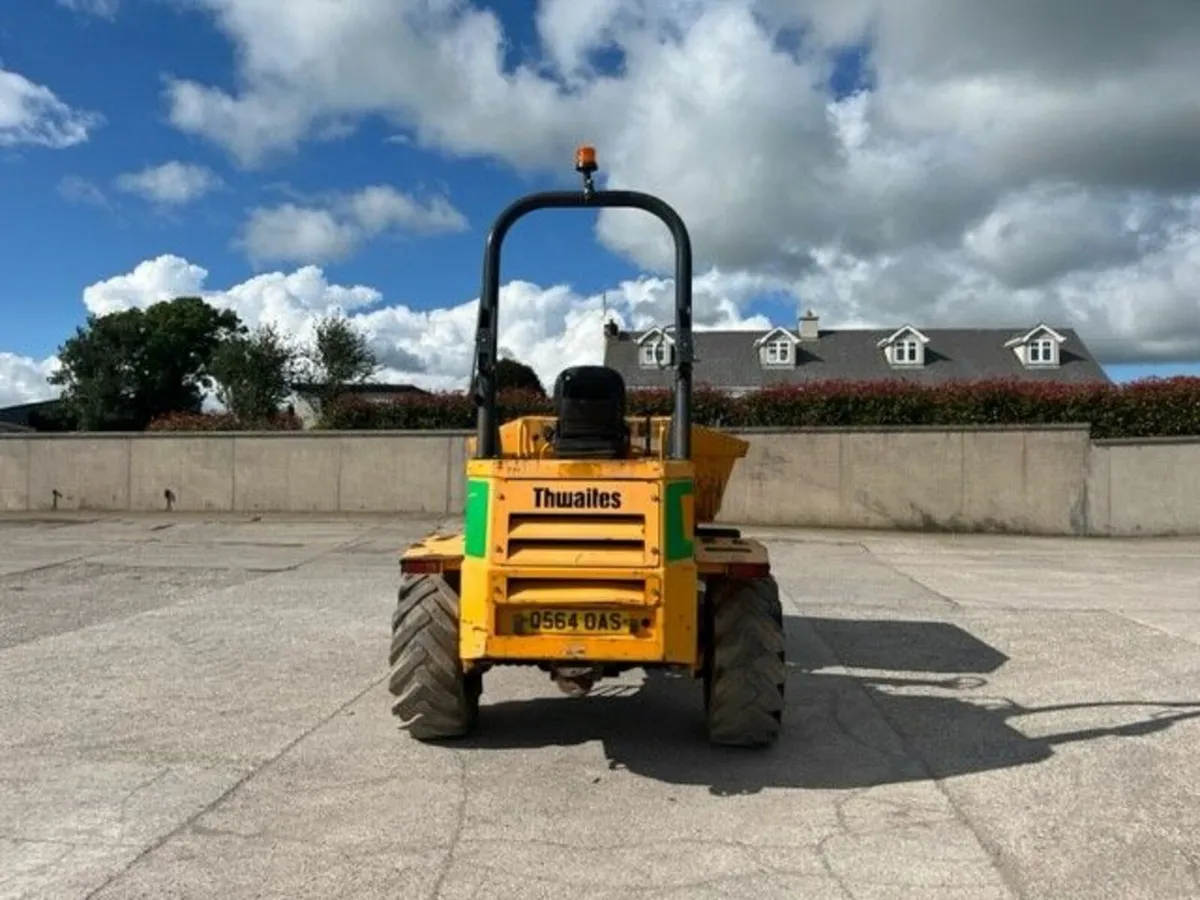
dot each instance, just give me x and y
(199, 709)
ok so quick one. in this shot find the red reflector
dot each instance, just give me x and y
(749, 570)
(420, 566)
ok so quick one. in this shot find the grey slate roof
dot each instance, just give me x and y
(729, 359)
(21, 413)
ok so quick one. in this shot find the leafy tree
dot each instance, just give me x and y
(512, 375)
(340, 356)
(54, 417)
(122, 370)
(254, 373)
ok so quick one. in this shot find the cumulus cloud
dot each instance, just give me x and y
(554, 326)
(318, 234)
(1002, 161)
(151, 281)
(32, 114)
(171, 183)
(547, 327)
(291, 232)
(23, 380)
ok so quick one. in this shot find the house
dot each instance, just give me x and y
(36, 416)
(741, 361)
(305, 400)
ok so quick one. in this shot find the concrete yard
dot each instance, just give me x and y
(196, 707)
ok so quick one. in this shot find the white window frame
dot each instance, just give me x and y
(906, 352)
(656, 353)
(1040, 352)
(778, 352)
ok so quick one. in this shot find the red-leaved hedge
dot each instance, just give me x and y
(1147, 408)
(182, 421)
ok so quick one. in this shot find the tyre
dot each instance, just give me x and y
(746, 668)
(433, 697)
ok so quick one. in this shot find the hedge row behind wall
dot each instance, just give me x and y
(1152, 407)
(1147, 408)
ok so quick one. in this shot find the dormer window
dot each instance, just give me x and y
(777, 348)
(656, 349)
(1038, 348)
(656, 353)
(905, 347)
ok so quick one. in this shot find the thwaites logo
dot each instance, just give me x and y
(591, 498)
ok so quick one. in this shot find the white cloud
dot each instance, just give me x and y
(1135, 305)
(23, 380)
(380, 207)
(548, 327)
(104, 9)
(571, 28)
(153, 280)
(309, 234)
(172, 183)
(1140, 304)
(32, 114)
(291, 232)
(1005, 158)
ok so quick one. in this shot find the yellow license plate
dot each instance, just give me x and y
(571, 621)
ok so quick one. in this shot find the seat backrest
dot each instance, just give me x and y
(590, 404)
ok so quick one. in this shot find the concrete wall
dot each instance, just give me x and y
(1147, 486)
(1051, 480)
(270, 472)
(1029, 481)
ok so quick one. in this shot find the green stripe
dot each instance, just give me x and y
(478, 498)
(677, 540)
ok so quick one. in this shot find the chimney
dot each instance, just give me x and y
(611, 330)
(808, 327)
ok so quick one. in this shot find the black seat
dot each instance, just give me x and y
(590, 404)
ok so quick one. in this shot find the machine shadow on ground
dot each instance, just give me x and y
(842, 730)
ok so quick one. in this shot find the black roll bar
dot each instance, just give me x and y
(484, 387)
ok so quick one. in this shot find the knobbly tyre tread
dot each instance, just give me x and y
(747, 669)
(433, 697)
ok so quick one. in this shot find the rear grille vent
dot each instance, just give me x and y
(556, 539)
(553, 592)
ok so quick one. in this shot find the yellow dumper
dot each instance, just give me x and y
(587, 547)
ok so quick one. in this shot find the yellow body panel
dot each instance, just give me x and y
(593, 561)
(581, 544)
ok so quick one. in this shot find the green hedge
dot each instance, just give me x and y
(1147, 408)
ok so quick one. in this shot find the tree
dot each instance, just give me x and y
(512, 375)
(122, 370)
(340, 356)
(254, 373)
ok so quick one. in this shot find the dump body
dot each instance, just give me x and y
(714, 453)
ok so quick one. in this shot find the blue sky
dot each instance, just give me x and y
(114, 67)
(56, 244)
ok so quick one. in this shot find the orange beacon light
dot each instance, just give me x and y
(585, 159)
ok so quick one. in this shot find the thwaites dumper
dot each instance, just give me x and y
(587, 547)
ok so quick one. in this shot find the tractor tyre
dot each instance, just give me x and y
(746, 667)
(433, 696)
